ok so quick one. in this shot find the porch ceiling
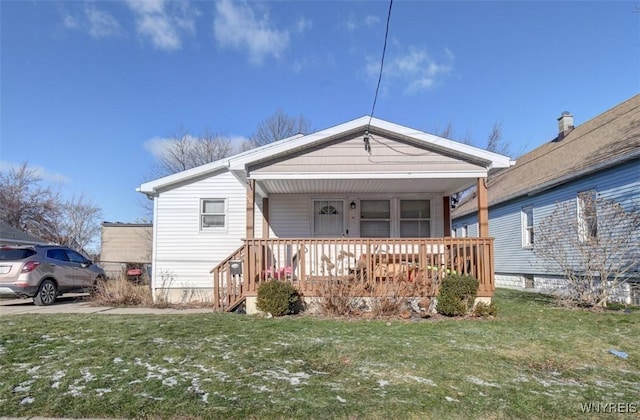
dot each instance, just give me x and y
(445, 186)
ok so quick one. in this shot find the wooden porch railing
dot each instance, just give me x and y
(307, 263)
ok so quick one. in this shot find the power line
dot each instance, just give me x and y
(384, 49)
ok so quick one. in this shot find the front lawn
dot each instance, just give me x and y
(534, 361)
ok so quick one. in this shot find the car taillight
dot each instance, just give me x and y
(30, 266)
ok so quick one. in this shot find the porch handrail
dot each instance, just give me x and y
(308, 263)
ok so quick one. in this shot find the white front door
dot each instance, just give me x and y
(328, 218)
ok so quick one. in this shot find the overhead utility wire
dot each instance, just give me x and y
(367, 146)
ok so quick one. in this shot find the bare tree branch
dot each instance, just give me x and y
(277, 127)
(594, 245)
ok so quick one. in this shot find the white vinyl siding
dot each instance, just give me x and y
(184, 254)
(527, 227)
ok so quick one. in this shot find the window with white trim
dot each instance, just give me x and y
(587, 215)
(375, 218)
(212, 214)
(415, 218)
(527, 227)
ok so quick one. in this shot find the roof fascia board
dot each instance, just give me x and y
(559, 181)
(368, 175)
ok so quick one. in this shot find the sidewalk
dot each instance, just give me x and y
(74, 304)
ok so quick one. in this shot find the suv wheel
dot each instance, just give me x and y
(46, 293)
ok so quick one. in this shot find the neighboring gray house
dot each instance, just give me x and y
(12, 236)
(125, 246)
(601, 156)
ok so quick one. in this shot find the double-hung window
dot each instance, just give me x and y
(415, 218)
(587, 216)
(527, 227)
(212, 214)
(375, 218)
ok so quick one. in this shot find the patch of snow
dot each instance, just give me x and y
(24, 386)
(382, 383)
(87, 376)
(451, 399)
(478, 381)
(150, 397)
(75, 391)
(171, 381)
(420, 380)
(339, 398)
(101, 391)
(117, 360)
(27, 400)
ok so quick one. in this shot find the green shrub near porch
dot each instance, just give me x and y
(457, 295)
(277, 298)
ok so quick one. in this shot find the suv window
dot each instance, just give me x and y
(75, 257)
(57, 254)
(14, 254)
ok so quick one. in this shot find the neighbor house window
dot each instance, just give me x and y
(527, 227)
(212, 214)
(415, 218)
(587, 216)
(375, 218)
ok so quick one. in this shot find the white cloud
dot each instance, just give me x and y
(236, 26)
(414, 70)
(371, 20)
(101, 24)
(96, 22)
(39, 171)
(303, 25)
(163, 23)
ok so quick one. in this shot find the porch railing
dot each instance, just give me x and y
(307, 263)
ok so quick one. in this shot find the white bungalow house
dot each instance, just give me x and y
(367, 198)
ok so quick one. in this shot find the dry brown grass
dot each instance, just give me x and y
(122, 292)
(387, 298)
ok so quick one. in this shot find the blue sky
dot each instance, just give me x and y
(87, 87)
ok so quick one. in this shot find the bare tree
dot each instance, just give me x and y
(594, 243)
(277, 127)
(40, 210)
(79, 223)
(184, 151)
(495, 142)
(27, 205)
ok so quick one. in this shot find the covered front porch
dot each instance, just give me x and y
(417, 249)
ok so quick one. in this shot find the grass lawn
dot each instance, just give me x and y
(534, 361)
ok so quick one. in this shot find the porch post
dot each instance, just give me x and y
(265, 218)
(446, 213)
(251, 199)
(483, 208)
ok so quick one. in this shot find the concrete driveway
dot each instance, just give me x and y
(77, 303)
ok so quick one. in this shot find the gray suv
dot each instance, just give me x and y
(44, 272)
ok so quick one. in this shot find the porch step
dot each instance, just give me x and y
(237, 303)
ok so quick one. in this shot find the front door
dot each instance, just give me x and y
(328, 218)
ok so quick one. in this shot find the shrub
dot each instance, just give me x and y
(457, 295)
(484, 310)
(121, 292)
(277, 298)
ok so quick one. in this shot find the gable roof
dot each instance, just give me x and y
(11, 235)
(299, 142)
(606, 140)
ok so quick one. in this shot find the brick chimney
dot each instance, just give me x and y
(565, 124)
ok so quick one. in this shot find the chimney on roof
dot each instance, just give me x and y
(565, 124)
